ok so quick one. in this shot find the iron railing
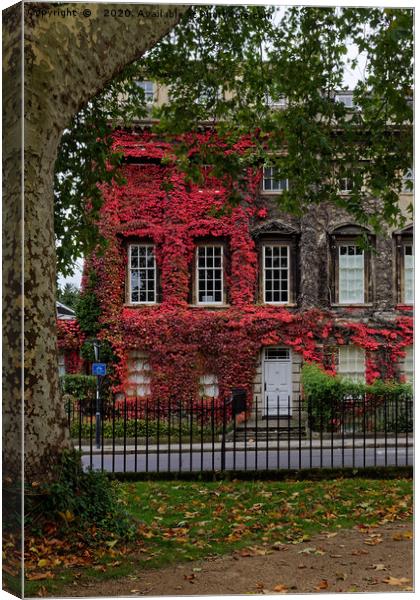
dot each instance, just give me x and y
(209, 434)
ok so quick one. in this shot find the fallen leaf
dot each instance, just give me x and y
(395, 581)
(280, 588)
(307, 551)
(42, 563)
(111, 543)
(331, 535)
(42, 591)
(40, 576)
(373, 541)
(322, 585)
(379, 567)
(405, 535)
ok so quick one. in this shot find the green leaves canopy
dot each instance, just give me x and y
(222, 64)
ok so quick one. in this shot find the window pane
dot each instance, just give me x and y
(210, 274)
(142, 274)
(351, 363)
(408, 275)
(139, 374)
(272, 181)
(276, 273)
(408, 365)
(351, 275)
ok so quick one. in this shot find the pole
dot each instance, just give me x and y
(98, 408)
(223, 449)
(98, 416)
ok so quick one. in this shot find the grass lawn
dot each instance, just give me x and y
(184, 521)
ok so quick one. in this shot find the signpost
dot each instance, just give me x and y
(98, 369)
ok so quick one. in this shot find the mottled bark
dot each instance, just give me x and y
(67, 59)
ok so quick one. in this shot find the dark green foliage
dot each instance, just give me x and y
(69, 295)
(81, 387)
(333, 402)
(106, 354)
(237, 57)
(129, 429)
(80, 501)
(88, 309)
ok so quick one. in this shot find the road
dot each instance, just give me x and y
(249, 459)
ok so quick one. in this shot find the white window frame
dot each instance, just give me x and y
(280, 101)
(197, 276)
(61, 364)
(347, 301)
(351, 375)
(205, 384)
(149, 95)
(339, 97)
(406, 271)
(274, 245)
(408, 364)
(139, 374)
(408, 176)
(345, 184)
(130, 269)
(273, 178)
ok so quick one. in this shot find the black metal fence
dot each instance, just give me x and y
(212, 434)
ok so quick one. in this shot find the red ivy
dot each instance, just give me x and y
(157, 204)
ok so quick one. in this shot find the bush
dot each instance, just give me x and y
(152, 428)
(81, 387)
(80, 501)
(334, 403)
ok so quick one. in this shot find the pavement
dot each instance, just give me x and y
(263, 455)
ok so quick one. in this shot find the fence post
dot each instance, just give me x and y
(223, 449)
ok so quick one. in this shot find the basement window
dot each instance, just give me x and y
(209, 386)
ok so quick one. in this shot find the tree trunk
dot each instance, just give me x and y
(70, 53)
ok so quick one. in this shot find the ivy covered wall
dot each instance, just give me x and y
(183, 341)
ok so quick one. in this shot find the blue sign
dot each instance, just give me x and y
(98, 369)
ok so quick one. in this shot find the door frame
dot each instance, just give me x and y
(264, 412)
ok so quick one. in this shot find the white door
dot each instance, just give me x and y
(277, 383)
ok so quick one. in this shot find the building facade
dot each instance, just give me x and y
(198, 296)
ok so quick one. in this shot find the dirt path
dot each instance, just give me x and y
(356, 560)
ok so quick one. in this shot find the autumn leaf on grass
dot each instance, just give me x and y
(40, 576)
(280, 588)
(322, 585)
(42, 591)
(395, 581)
(43, 563)
(67, 516)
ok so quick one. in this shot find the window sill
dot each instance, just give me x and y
(365, 305)
(206, 306)
(279, 304)
(271, 192)
(140, 305)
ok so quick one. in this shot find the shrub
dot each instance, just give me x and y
(81, 387)
(333, 402)
(80, 501)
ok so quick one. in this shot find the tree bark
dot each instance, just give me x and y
(70, 52)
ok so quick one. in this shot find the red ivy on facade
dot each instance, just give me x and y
(158, 205)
